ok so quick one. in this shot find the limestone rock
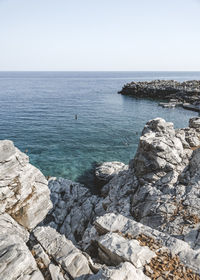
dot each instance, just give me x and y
(161, 187)
(63, 252)
(194, 123)
(107, 170)
(159, 149)
(16, 261)
(74, 208)
(124, 271)
(119, 249)
(56, 273)
(8, 226)
(112, 228)
(24, 193)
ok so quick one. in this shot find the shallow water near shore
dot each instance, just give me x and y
(37, 112)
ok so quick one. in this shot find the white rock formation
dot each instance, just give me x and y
(24, 193)
(16, 261)
(107, 170)
(148, 214)
(63, 252)
(125, 271)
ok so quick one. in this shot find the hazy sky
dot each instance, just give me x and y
(100, 35)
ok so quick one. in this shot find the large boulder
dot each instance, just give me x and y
(24, 192)
(107, 170)
(159, 149)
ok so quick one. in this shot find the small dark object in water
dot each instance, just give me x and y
(76, 117)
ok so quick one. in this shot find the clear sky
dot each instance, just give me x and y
(100, 35)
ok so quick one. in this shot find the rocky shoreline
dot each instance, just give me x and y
(185, 94)
(145, 223)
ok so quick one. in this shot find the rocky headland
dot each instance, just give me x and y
(145, 223)
(185, 94)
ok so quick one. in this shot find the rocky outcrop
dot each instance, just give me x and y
(25, 196)
(148, 214)
(161, 187)
(24, 192)
(187, 91)
(120, 239)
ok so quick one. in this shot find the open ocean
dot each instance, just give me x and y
(37, 112)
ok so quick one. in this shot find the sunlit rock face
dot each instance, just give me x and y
(24, 192)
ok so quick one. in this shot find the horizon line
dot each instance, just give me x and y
(99, 70)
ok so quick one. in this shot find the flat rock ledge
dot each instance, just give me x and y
(145, 224)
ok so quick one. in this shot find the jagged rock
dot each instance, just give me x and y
(159, 149)
(124, 271)
(194, 123)
(16, 261)
(107, 170)
(74, 208)
(24, 193)
(63, 252)
(161, 188)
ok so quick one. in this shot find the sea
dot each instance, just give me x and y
(69, 122)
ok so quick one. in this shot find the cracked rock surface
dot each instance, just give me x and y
(24, 192)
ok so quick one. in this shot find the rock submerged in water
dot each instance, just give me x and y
(144, 225)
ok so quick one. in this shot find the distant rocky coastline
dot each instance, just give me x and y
(185, 94)
(145, 223)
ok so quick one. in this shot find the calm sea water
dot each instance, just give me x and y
(37, 112)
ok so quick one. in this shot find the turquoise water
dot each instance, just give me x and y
(37, 112)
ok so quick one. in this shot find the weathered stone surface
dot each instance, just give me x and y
(159, 149)
(24, 193)
(16, 261)
(63, 252)
(56, 274)
(119, 249)
(127, 228)
(8, 226)
(124, 271)
(194, 123)
(107, 170)
(161, 188)
(74, 208)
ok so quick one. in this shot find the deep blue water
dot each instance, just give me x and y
(37, 112)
